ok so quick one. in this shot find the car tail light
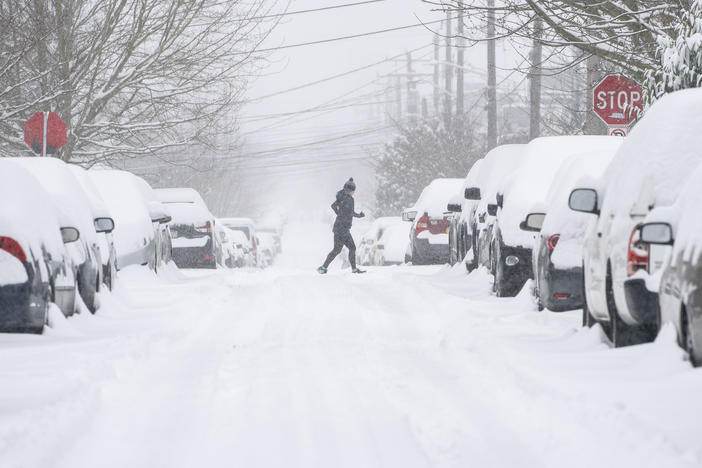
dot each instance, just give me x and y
(552, 241)
(561, 296)
(638, 254)
(11, 246)
(209, 256)
(207, 228)
(422, 224)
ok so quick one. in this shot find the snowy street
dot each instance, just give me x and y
(401, 367)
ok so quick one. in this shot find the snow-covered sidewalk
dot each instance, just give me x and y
(401, 367)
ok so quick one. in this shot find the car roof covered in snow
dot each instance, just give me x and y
(658, 156)
(186, 206)
(499, 164)
(560, 219)
(96, 201)
(238, 221)
(31, 218)
(529, 187)
(133, 227)
(436, 196)
(66, 192)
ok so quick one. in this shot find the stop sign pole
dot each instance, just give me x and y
(617, 100)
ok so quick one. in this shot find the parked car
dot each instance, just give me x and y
(460, 233)
(557, 254)
(267, 246)
(248, 227)
(68, 196)
(136, 239)
(225, 248)
(499, 168)
(104, 224)
(648, 171)
(365, 253)
(526, 193)
(392, 245)
(161, 217)
(192, 228)
(245, 257)
(35, 266)
(430, 222)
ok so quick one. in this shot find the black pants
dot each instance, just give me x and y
(341, 239)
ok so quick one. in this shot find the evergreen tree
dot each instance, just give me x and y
(681, 56)
(422, 152)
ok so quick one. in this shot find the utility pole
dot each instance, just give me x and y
(535, 82)
(411, 89)
(492, 78)
(460, 77)
(593, 125)
(448, 72)
(398, 97)
(437, 89)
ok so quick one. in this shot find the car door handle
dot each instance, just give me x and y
(599, 234)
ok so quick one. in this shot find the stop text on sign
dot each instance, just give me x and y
(618, 100)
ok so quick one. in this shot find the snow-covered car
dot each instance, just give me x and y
(680, 287)
(392, 245)
(35, 266)
(430, 223)
(267, 246)
(225, 248)
(499, 167)
(136, 240)
(104, 225)
(557, 254)
(365, 253)
(459, 231)
(244, 253)
(526, 193)
(160, 218)
(192, 228)
(648, 171)
(248, 227)
(68, 196)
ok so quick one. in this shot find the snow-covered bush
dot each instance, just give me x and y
(681, 56)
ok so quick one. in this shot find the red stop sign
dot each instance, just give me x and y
(618, 100)
(55, 133)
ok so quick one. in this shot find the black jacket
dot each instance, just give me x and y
(344, 209)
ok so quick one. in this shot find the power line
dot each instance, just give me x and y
(333, 77)
(343, 38)
(299, 12)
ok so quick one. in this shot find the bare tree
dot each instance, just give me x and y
(130, 77)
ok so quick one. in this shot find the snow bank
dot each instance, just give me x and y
(435, 197)
(531, 184)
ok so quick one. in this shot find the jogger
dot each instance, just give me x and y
(344, 207)
(342, 239)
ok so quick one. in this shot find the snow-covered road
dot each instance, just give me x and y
(401, 367)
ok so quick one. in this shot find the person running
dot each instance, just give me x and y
(344, 207)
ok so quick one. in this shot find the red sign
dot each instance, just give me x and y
(55, 133)
(618, 131)
(617, 100)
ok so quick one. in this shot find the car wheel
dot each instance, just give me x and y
(621, 334)
(688, 341)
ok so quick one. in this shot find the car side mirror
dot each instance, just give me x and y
(533, 222)
(69, 234)
(492, 209)
(106, 225)
(584, 200)
(159, 213)
(500, 200)
(657, 233)
(472, 193)
(409, 216)
(454, 208)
